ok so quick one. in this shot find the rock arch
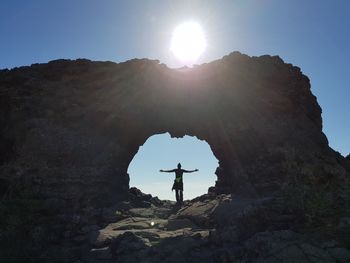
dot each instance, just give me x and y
(74, 126)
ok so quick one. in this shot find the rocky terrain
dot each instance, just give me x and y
(210, 228)
(70, 128)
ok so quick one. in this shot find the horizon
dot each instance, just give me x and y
(145, 58)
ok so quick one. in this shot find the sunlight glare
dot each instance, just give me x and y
(188, 42)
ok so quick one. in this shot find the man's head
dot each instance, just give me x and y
(179, 165)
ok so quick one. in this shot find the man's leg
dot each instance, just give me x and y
(181, 196)
(177, 195)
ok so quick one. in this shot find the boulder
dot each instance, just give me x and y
(197, 212)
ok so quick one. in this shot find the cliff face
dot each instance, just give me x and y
(69, 129)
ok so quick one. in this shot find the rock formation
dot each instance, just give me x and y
(207, 229)
(69, 129)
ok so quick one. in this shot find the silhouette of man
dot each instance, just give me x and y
(178, 182)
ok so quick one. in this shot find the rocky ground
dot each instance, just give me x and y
(210, 228)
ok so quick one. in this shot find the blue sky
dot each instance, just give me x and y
(163, 152)
(313, 34)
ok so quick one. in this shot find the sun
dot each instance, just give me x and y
(188, 42)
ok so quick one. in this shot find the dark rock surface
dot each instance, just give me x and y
(69, 129)
(74, 126)
(196, 232)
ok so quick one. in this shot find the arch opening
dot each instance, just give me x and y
(161, 151)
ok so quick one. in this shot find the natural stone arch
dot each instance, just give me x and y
(74, 126)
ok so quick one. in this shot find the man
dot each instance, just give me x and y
(178, 183)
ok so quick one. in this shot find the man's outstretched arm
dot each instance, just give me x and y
(190, 171)
(167, 171)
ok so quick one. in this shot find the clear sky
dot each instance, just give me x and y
(313, 34)
(163, 152)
